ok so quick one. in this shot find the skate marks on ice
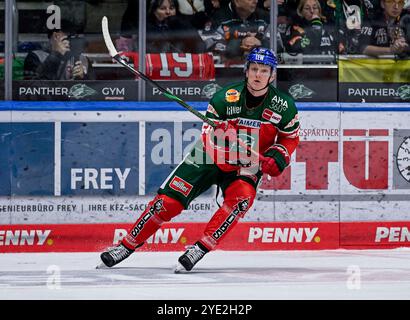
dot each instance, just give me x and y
(229, 275)
(140, 276)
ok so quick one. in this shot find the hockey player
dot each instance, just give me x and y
(264, 119)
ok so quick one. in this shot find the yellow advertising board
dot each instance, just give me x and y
(374, 70)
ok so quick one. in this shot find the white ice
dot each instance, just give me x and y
(233, 275)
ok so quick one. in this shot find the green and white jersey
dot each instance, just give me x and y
(274, 121)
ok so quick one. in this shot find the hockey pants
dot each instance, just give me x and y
(238, 198)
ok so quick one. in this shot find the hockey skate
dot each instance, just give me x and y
(189, 259)
(113, 256)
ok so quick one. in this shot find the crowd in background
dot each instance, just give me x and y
(231, 28)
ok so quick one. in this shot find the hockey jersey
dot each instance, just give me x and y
(275, 121)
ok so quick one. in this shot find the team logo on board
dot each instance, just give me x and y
(80, 90)
(404, 92)
(299, 91)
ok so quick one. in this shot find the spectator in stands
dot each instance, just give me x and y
(351, 15)
(218, 3)
(166, 29)
(265, 4)
(194, 12)
(405, 21)
(286, 15)
(199, 12)
(385, 36)
(62, 60)
(129, 27)
(167, 32)
(309, 34)
(240, 27)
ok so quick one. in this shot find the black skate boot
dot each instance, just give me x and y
(190, 258)
(114, 255)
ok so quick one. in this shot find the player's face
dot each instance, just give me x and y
(259, 75)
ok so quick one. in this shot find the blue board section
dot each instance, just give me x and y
(5, 143)
(166, 144)
(103, 158)
(99, 158)
(32, 159)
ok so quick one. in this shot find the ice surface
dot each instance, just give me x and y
(270, 275)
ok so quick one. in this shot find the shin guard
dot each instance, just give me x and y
(161, 209)
(239, 197)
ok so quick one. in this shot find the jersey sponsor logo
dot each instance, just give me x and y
(238, 210)
(267, 113)
(278, 104)
(24, 237)
(271, 116)
(181, 186)
(249, 123)
(275, 118)
(212, 110)
(230, 110)
(232, 95)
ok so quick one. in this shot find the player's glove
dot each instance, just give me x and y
(222, 135)
(224, 126)
(275, 160)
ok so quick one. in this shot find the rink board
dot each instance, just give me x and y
(80, 164)
(175, 236)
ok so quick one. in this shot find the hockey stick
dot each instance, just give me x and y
(116, 56)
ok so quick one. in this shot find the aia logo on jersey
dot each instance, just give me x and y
(271, 116)
(181, 186)
(232, 95)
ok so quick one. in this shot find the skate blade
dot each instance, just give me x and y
(101, 266)
(179, 268)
